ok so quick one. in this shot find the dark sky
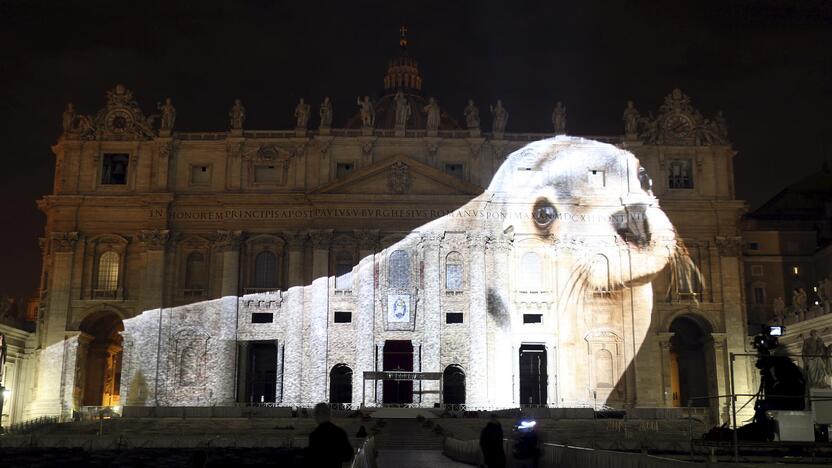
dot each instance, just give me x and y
(767, 64)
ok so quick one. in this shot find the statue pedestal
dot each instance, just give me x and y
(474, 132)
(366, 131)
(324, 131)
(236, 132)
(300, 132)
(399, 132)
(164, 133)
(433, 133)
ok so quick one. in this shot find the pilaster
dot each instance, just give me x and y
(315, 352)
(432, 321)
(477, 379)
(228, 243)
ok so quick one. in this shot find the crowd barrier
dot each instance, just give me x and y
(564, 456)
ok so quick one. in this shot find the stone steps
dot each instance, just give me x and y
(407, 434)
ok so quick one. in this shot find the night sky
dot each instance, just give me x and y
(766, 64)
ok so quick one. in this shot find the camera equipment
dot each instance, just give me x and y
(767, 340)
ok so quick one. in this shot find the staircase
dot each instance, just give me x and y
(407, 434)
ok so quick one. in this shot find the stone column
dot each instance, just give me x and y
(315, 349)
(153, 284)
(664, 350)
(417, 367)
(432, 315)
(499, 249)
(476, 381)
(228, 242)
(734, 311)
(717, 360)
(293, 352)
(379, 391)
(242, 371)
(278, 391)
(52, 355)
(364, 316)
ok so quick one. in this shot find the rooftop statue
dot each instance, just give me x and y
(434, 115)
(301, 114)
(326, 113)
(402, 110)
(559, 118)
(168, 113)
(500, 118)
(237, 114)
(472, 115)
(631, 118)
(368, 113)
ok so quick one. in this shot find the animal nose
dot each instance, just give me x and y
(632, 225)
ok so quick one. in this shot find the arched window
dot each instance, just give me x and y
(343, 270)
(453, 385)
(265, 270)
(399, 270)
(107, 279)
(453, 271)
(530, 272)
(603, 369)
(195, 271)
(340, 384)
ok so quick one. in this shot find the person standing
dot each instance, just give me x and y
(491, 444)
(328, 443)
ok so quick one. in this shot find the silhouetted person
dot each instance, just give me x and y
(491, 444)
(199, 459)
(328, 443)
(362, 433)
(527, 445)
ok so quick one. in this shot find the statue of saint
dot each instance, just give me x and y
(472, 115)
(500, 118)
(559, 118)
(825, 293)
(434, 115)
(815, 355)
(237, 115)
(402, 110)
(721, 126)
(778, 306)
(68, 120)
(799, 301)
(368, 113)
(168, 115)
(301, 114)
(631, 118)
(326, 113)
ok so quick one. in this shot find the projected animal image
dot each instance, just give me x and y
(538, 291)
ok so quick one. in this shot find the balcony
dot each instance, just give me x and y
(106, 294)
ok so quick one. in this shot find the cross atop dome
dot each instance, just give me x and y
(402, 70)
(403, 38)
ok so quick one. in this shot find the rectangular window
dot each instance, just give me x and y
(759, 295)
(453, 276)
(455, 169)
(753, 246)
(453, 317)
(343, 168)
(265, 174)
(532, 318)
(262, 317)
(200, 174)
(596, 178)
(681, 174)
(114, 168)
(756, 270)
(343, 317)
(343, 275)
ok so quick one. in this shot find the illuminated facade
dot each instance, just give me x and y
(278, 266)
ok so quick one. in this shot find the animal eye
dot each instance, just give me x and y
(543, 213)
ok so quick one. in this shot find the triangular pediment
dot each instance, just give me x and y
(399, 175)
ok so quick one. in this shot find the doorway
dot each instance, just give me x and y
(398, 356)
(689, 364)
(102, 360)
(262, 381)
(453, 386)
(533, 377)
